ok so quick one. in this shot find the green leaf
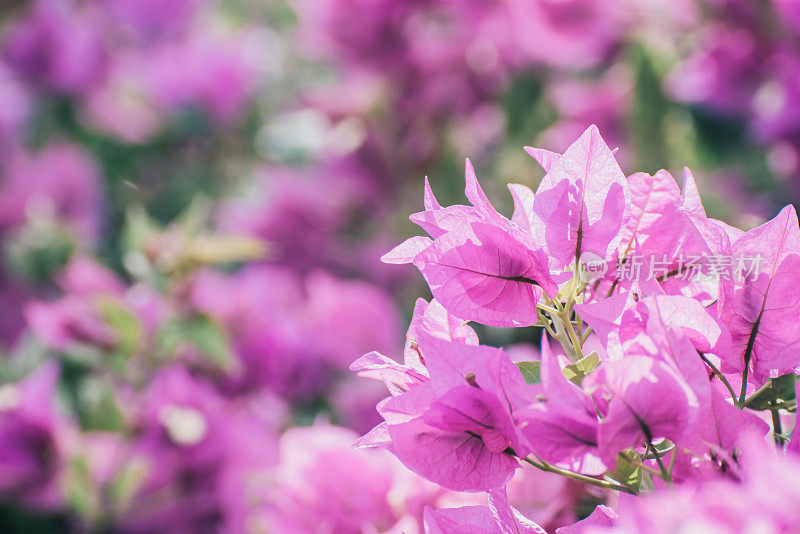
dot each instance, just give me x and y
(97, 406)
(575, 372)
(139, 229)
(127, 482)
(629, 470)
(780, 394)
(80, 493)
(126, 327)
(531, 371)
(205, 334)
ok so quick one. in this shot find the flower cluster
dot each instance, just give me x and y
(646, 384)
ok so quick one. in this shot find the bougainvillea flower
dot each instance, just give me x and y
(32, 430)
(603, 516)
(499, 517)
(456, 460)
(459, 428)
(482, 273)
(543, 157)
(562, 428)
(583, 201)
(684, 314)
(757, 305)
(725, 425)
(648, 399)
(397, 378)
(480, 265)
(429, 318)
(651, 196)
(432, 318)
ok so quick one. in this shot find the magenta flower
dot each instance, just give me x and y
(60, 181)
(499, 517)
(756, 306)
(458, 428)
(34, 434)
(350, 317)
(648, 400)
(317, 478)
(272, 349)
(480, 265)
(206, 71)
(15, 106)
(204, 455)
(582, 202)
(562, 428)
(152, 18)
(76, 318)
(603, 516)
(57, 45)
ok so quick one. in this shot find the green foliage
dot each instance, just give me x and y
(779, 395)
(81, 496)
(97, 406)
(126, 328)
(575, 372)
(127, 481)
(202, 333)
(532, 371)
(629, 471)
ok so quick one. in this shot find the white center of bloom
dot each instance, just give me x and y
(185, 426)
(9, 397)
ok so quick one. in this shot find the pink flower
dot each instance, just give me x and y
(756, 306)
(58, 46)
(582, 203)
(60, 181)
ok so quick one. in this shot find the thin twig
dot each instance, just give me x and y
(664, 473)
(777, 430)
(755, 395)
(544, 466)
(719, 375)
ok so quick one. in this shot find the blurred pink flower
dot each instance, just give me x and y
(122, 106)
(57, 45)
(15, 106)
(210, 71)
(34, 435)
(153, 18)
(60, 181)
(605, 102)
(205, 455)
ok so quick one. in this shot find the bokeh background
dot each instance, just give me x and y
(194, 196)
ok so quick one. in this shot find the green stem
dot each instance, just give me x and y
(664, 473)
(777, 430)
(563, 337)
(547, 308)
(742, 402)
(544, 466)
(748, 354)
(719, 375)
(755, 395)
(586, 333)
(572, 345)
(573, 337)
(672, 461)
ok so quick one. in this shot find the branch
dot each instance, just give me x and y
(544, 466)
